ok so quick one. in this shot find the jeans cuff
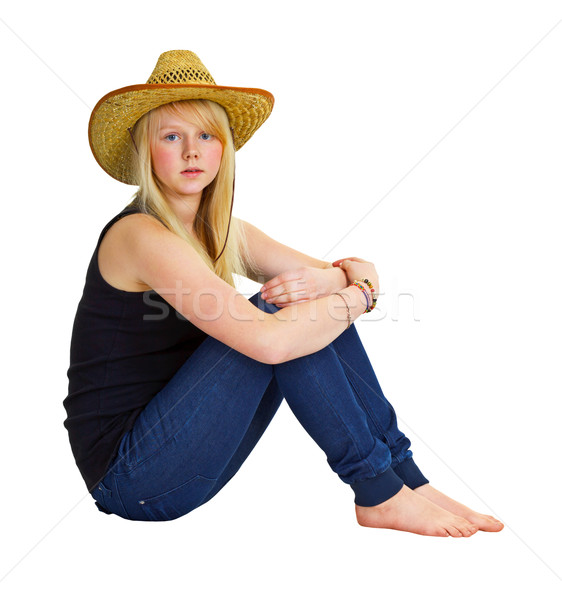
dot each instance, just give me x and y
(410, 473)
(370, 492)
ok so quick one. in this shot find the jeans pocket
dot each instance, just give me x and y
(179, 501)
(102, 496)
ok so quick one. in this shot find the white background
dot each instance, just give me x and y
(425, 136)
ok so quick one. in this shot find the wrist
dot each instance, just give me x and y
(358, 300)
(368, 291)
(353, 302)
(339, 276)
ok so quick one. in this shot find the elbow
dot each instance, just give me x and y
(273, 347)
(273, 354)
(277, 357)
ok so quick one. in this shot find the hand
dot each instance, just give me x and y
(302, 285)
(357, 268)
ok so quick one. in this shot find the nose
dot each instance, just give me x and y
(190, 150)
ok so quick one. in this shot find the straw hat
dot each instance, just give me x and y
(178, 75)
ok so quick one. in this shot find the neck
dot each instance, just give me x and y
(185, 209)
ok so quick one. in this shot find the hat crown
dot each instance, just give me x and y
(182, 67)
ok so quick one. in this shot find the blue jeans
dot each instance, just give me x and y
(194, 435)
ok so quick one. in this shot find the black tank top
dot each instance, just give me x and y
(125, 347)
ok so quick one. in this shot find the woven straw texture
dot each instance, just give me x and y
(178, 75)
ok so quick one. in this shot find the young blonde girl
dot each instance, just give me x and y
(174, 375)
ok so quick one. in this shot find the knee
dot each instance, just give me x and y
(256, 300)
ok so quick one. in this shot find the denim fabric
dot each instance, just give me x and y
(194, 435)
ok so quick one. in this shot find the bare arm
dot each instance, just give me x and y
(171, 267)
(289, 276)
(272, 257)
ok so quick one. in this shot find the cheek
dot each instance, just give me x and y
(162, 161)
(215, 155)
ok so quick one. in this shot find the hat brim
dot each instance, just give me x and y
(247, 109)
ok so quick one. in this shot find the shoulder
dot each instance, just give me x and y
(132, 226)
(250, 232)
(247, 227)
(127, 241)
(139, 234)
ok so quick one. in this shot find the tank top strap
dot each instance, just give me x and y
(128, 210)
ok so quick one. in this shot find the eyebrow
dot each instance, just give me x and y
(173, 125)
(174, 122)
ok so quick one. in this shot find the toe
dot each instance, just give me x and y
(494, 525)
(489, 523)
(466, 528)
(454, 531)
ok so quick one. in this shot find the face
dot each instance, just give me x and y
(185, 158)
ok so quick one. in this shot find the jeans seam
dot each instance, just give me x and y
(362, 458)
(133, 466)
(390, 443)
(366, 408)
(118, 494)
(387, 441)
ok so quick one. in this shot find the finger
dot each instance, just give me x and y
(284, 293)
(347, 263)
(289, 283)
(338, 262)
(280, 279)
(284, 304)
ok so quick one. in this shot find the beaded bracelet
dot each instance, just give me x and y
(372, 301)
(372, 293)
(356, 283)
(346, 306)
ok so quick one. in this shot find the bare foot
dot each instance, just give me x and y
(408, 511)
(483, 522)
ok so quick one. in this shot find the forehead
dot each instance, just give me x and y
(173, 115)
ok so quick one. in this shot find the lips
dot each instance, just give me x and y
(191, 172)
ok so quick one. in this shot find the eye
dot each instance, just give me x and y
(206, 136)
(171, 137)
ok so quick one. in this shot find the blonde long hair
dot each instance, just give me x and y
(212, 219)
